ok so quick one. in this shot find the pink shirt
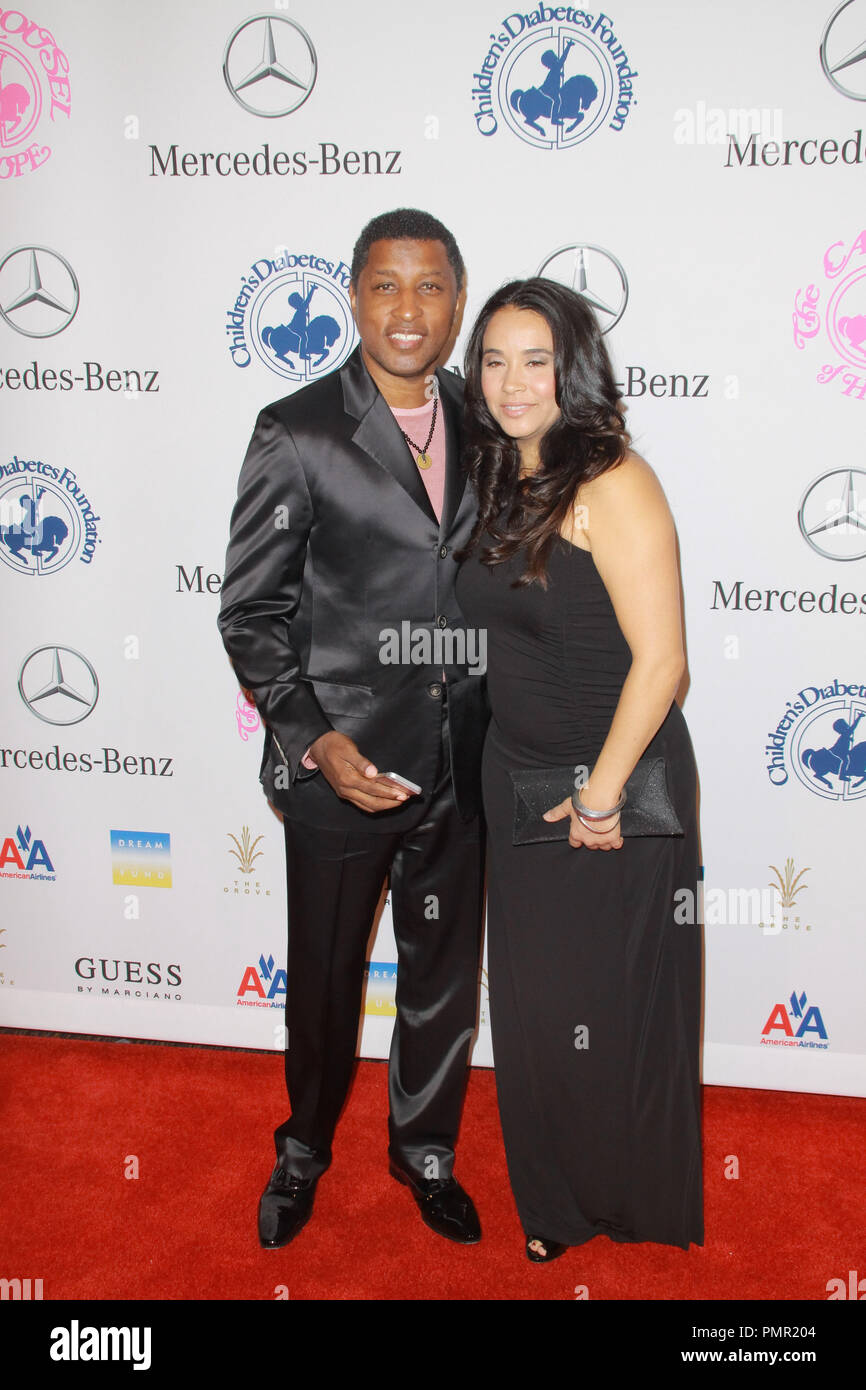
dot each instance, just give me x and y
(416, 423)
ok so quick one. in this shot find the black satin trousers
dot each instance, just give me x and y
(334, 881)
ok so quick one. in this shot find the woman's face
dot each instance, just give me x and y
(517, 376)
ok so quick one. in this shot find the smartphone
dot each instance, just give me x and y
(403, 782)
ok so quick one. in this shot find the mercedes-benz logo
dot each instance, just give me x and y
(843, 50)
(251, 65)
(832, 515)
(58, 685)
(593, 273)
(38, 291)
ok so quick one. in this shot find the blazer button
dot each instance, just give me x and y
(443, 551)
(435, 690)
(442, 620)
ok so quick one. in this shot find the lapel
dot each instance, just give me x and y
(451, 401)
(378, 433)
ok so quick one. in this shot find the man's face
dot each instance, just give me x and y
(405, 304)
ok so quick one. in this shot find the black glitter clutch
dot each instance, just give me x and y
(647, 811)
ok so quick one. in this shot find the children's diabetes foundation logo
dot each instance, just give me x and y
(820, 740)
(292, 313)
(553, 76)
(46, 517)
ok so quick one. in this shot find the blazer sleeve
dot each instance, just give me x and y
(264, 569)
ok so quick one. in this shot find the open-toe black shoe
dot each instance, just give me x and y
(552, 1249)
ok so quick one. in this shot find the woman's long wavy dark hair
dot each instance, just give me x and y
(588, 437)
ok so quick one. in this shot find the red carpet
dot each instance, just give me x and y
(199, 1122)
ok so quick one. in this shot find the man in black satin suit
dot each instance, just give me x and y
(351, 504)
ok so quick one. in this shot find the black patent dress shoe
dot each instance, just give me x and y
(444, 1206)
(285, 1207)
(551, 1249)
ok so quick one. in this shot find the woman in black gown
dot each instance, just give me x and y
(595, 989)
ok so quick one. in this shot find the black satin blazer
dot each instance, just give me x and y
(334, 543)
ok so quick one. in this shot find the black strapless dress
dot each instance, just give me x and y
(595, 989)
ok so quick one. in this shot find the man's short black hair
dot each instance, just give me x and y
(406, 224)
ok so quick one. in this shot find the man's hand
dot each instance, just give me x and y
(353, 777)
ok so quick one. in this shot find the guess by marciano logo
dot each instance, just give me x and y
(830, 316)
(553, 76)
(34, 92)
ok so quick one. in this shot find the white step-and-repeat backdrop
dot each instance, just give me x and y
(171, 173)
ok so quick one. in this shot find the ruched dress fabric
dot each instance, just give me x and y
(595, 988)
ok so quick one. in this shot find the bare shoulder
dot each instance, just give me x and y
(630, 490)
(632, 476)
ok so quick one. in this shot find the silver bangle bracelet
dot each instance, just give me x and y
(594, 828)
(595, 815)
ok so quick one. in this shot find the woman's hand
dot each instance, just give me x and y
(607, 835)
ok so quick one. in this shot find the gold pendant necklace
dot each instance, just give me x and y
(424, 460)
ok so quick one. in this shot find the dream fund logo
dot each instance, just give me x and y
(141, 858)
(380, 990)
(292, 312)
(820, 740)
(553, 76)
